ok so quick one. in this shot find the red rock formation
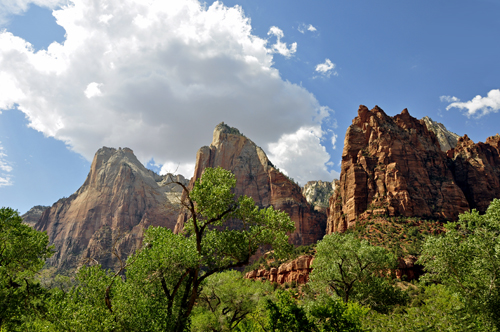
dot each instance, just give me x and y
(257, 177)
(297, 270)
(394, 166)
(476, 168)
(119, 199)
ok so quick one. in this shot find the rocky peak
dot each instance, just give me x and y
(447, 139)
(119, 199)
(256, 177)
(392, 166)
(33, 215)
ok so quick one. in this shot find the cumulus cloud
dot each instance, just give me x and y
(309, 27)
(5, 169)
(301, 156)
(478, 106)
(16, 7)
(156, 77)
(326, 68)
(281, 47)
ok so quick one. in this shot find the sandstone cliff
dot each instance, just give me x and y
(393, 166)
(447, 139)
(257, 177)
(33, 215)
(118, 201)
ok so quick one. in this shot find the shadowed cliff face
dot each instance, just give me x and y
(256, 177)
(393, 166)
(476, 168)
(119, 199)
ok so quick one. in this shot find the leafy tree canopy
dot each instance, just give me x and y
(467, 261)
(23, 252)
(344, 265)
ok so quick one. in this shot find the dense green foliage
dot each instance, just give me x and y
(23, 252)
(467, 261)
(352, 269)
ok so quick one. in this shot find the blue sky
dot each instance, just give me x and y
(289, 74)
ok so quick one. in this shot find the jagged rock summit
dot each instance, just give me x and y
(395, 166)
(118, 201)
(257, 177)
(447, 139)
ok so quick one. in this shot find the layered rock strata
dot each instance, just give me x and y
(110, 211)
(393, 166)
(257, 177)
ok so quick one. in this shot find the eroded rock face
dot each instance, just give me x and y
(476, 168)
(118, 201)
(393, 166)
(297, 270)
(257, 177)
(447, 139)
(33, 215)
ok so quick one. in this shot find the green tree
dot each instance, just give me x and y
(437, 310)
(170, 269)
(83, 307)
(332, 314)
(23, 252)
(467, 261)
(227, 299)
(286, 315)
(352, 269)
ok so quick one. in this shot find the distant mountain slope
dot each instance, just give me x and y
(119, 199)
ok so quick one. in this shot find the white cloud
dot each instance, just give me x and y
(281, 47)
(5, 168)
(186, 169)
(93, 90)
(168, 72)
(478, 106)
(301, 156)
(448, 99)
(309, 27)
(16, 7)
(334, 140)
(326, 69)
